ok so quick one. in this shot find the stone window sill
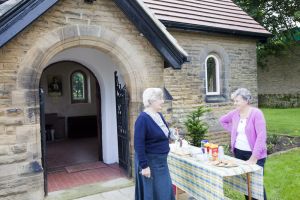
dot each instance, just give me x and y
(215, 98)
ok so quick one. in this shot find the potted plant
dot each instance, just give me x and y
(196, 127)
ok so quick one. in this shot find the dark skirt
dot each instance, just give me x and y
(245, 155)
(159, 186)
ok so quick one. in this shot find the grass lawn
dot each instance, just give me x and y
(283, 121)
(282, 172)
(282, 175)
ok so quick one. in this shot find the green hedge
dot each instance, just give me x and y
(279, 100)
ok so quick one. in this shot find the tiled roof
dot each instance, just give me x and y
(15, 15)
(218, 14)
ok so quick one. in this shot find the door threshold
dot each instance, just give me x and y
(90, 189)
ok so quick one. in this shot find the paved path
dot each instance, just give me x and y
(122, 194)
(117, 189)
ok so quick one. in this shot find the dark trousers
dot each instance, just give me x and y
(245, 155)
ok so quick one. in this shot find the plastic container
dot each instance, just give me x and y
(221, 153)
(206, 145)
(203, 142)
(206, 156)
(210, 154)
(214, 151)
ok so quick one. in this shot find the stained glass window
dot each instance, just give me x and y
(212, 76)
(79, 87)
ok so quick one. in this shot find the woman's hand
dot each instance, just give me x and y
(146, 172)
(252, 160)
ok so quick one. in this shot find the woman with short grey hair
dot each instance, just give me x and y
(150, 95)
(244, 93)
(247, 126)
(151, 145)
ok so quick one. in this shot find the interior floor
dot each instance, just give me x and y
(71, 152)
(72, 163)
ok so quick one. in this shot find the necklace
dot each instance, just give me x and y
(243, 120)
(244, 114)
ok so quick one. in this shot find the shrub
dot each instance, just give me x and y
(272, 140)
(227, 150)
(196, 127)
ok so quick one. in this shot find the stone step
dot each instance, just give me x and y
(90, 189)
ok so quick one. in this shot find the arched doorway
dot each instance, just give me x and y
(72, 111)
(121, 54)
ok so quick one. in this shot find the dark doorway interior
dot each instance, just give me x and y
(82, 126)
(72, 147)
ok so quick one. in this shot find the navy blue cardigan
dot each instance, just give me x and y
(149, 138)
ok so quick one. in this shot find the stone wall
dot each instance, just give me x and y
(278, 81)
(187, 86)
(69, 23)
(102, 25)
(279, 100)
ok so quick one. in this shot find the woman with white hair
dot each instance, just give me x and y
(247, 126)
(151, 145)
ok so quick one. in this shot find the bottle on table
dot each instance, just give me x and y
(221, 153)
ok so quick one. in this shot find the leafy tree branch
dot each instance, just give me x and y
(281, 18)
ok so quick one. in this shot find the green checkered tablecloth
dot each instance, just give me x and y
(205, 181)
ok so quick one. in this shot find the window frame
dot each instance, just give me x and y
(85, 100)
(218, 86)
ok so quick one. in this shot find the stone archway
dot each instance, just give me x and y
(119, 49)
(115, 46)
(121, 52)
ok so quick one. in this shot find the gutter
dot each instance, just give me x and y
(20, 16)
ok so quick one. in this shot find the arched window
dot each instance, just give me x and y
(212, 75)
(79, 87)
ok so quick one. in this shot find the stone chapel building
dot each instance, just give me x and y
(74, 69)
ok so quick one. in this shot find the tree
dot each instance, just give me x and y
(195, 126)
(281, 18)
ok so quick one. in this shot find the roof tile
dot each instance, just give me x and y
(221, 14)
